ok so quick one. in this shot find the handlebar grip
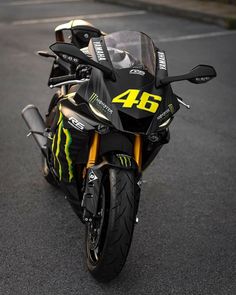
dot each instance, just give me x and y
(62, 79)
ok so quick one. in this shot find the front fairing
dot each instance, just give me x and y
(99, 93)
(130, 99)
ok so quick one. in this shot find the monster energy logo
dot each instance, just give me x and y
(57, 149)
(67, 153)
(100, 105)
(124, 160)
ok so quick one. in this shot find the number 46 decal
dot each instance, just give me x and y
(130, 98)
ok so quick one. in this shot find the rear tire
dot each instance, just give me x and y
(106, 256)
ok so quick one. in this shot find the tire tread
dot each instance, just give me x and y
(120, 227)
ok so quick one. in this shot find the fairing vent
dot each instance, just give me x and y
(133, 125)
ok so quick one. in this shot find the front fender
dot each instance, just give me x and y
(116, 141)
(94, 179)
(121, 160)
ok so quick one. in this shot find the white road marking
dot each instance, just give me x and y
(85, 16)
(17, 3)
(197, 36)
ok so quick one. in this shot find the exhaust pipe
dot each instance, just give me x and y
(35, 122)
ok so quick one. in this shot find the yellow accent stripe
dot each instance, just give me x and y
(54, 137)
(70, 95)
(67, 145)
(58, 147)
(53, 145)
(60, 116)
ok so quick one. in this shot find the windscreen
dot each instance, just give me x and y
(129, 49)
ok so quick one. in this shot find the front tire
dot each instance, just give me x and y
(108, 248)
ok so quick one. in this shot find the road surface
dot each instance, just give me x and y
(185, 240)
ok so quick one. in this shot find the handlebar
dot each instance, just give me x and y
(62, 79)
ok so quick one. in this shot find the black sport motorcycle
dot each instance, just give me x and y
(104, 126)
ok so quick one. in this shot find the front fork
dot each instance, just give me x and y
(94, 172)
(138, 151)
(93, 150)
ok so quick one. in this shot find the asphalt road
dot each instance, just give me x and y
(185, 241)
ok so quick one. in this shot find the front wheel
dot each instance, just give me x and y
(108, 238)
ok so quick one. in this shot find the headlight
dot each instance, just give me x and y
(165, 123)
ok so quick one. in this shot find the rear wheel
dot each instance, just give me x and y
(108, 238)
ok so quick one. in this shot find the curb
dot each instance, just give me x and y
(221, 19)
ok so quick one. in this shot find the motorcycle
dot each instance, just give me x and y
(105, 125)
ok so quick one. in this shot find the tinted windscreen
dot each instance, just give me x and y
(129, 49)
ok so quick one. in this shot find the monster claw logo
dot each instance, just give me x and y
(99, 104)
(93, 97)
(124, 160)
(61, 143)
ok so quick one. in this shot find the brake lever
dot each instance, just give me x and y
(181, 101)
(81, 81)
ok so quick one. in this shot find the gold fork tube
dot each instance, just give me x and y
(93, 150)
(138, 150)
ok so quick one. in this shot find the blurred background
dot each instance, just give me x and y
(185, 240)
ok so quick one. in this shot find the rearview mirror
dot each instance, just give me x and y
(73, 55)
(46, 54)
(202, 74)
(199, 74)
